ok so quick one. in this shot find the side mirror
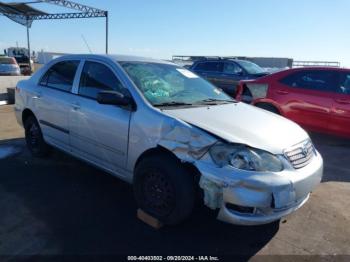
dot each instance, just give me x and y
(114, 98)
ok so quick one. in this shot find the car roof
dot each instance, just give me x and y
(221, 60)
(318, 68)
(289, 71)
(117, 58)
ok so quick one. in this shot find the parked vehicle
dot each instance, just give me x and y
(9, 66)
(171, 134)
(226, 73)
(21, 54)
(317, 98)
(23, 62)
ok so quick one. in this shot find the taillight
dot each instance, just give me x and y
(13, 61)
(257, 90)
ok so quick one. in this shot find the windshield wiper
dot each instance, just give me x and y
(214, 101)
(172, 103)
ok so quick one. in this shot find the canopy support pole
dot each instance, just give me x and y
(28, 43)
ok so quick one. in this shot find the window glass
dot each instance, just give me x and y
(7, 61)
(209, 66)
(61, 75)
(344, 87)
(231, 68)
(43, 81)
(321, 80)
(166, 83)
(251, 68)
(96, 77)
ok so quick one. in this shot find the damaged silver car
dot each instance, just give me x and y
(172, 135)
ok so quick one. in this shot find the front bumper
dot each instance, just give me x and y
(257, 218)
(267, 196)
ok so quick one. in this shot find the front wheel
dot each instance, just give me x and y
(34, 138)
(164, 189)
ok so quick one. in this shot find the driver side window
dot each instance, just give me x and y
(97, 77)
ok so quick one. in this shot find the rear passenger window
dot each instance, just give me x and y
(209, 66)
(320, 80)
(60, 76)
(96, 77)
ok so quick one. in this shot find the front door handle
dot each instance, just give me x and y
(343, 101)
(37, 95)
(282, 92)
(76, 106)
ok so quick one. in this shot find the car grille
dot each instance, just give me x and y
(301, 154)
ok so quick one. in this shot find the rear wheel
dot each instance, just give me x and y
(164, 188)
(34, 138)
(268, 107)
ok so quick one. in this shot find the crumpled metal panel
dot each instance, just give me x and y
(188, 144)
(213, 193)
(224, 184)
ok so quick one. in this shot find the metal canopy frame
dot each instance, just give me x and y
(84, 12)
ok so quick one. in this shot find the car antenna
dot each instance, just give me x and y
(86, 43)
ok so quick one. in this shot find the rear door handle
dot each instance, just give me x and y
(282, 92)
(76, 106)
(343, 101)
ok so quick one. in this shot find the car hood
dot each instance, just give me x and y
(260, 74)
(242, 123)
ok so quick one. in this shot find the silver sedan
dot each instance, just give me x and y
(9, 66)
(171, 134)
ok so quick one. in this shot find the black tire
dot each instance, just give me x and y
(164, 189)
(268, 107)
(34, 138)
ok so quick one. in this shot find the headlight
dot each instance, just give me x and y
(246, 158)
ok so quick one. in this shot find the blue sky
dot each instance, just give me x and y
(299, 29)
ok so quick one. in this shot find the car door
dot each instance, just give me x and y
(306, 97)
(52, 100)
(99, 133)
(340, 114)
(231, 75)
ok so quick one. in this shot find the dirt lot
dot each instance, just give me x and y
(60, 205)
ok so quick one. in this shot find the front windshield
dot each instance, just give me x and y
(167, 84)
(251, 68)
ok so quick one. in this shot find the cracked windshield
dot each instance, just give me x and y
(169, 85)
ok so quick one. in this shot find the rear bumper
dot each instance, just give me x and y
(18, 108)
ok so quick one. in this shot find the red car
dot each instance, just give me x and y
(317, 98)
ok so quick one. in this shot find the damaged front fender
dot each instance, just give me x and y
(225, 184)
(266, 192)
(188, 143)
